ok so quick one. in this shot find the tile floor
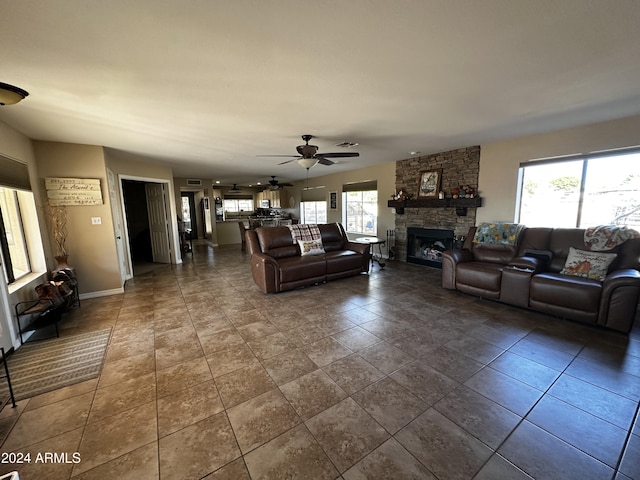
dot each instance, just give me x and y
(381, 376)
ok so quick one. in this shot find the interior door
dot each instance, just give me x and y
(158, 222)
(117, 226)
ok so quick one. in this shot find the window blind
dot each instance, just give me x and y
(14, 174)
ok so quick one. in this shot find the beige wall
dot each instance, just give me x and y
(499, 161)
(384, 174)
(92, 248)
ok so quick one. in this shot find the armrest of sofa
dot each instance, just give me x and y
(619, 301)
(450, 259)
(265, 271)
(361, 248)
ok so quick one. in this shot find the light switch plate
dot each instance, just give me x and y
(96, 220)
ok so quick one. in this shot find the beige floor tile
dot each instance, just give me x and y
(127, 368)
(390, 404)
(243, 384)
(353, 373)
(424, 382)
(271, 345)
(385, 357)
(48, 421)
(188, 406)
(261, 418)
(255, 330)
(62, 394)
(122, 396)
(294, 454)
(312, 393)
(198, 449)
(139, 464)
(215, 341)
(325, 351)
(443, 447)
(389, 461)
(108, 439)
(356, 338)
(182, 375)
(236, 470)
(231, 359)
(347, 433)
(288, 366)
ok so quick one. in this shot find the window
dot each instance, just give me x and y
(237, 205)
(361, 211)
(313, 212)
(12, 239)
(585, 191)
(186, 212)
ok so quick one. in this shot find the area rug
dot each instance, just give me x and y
(47, 365)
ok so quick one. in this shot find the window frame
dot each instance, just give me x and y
(303, 205)
(584, 159)
(18, 236)
(345, 212)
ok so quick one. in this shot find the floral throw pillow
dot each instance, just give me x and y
(583, 263)
(310, 247)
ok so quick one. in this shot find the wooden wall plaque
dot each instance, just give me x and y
(73, 191)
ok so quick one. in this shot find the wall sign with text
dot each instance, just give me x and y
(73, 191)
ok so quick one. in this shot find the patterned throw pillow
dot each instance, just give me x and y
(310, 247)
(583, 263)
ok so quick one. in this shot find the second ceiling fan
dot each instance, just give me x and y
(308, 155)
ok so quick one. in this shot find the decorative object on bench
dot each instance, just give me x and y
(54, 298)
(277, 263)
(551, 270)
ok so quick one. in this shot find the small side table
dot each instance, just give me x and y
(373, 241)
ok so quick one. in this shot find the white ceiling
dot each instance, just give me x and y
(206, 85)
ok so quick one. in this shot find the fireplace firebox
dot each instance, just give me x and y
(425, 245)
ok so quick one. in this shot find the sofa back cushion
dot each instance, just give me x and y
(534, 239)
(629, 254)
(560, 241)
(493, 252)
(333, 237)
(277, 242)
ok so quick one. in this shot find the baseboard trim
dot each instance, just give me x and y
(102, 293)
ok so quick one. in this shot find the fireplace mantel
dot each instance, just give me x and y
(460, 204)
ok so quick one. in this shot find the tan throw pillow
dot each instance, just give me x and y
(583, 263)
(310, 247)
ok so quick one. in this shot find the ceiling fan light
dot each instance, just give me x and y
(10, 95)
(307, 162)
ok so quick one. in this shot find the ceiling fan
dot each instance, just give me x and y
(276, 185)
(308, 155)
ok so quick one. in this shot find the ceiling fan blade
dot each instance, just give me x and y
(338, 155)
(324, 161)
(281, 156)
(287, 161)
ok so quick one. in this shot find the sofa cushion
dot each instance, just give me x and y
(293, 269)
(480, 275)
(343, 260)
(333, 238)
(583, 263)
(575, 293)
(277, 242)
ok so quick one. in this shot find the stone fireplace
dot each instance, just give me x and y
(459, 167)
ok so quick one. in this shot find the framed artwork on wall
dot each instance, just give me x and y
(333, 200)
(430, 182)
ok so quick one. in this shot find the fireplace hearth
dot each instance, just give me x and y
(425, 245)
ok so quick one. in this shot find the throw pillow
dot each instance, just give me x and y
(310, 247)
(583, 263)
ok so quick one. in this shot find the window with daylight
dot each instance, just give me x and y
(12, 238)
(313, 212)
(360, 208)
(581, 191)
(238, 205)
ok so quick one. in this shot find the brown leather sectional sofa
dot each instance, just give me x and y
(277, 264)
(528, 275)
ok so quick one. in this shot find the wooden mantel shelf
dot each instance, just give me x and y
(460, 204)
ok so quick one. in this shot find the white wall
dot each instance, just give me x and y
(499, 161)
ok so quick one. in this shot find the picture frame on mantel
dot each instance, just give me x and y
(429, 185)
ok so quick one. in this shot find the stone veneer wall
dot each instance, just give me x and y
(459, 167)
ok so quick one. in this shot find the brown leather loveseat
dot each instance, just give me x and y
(277, 263)
(533, 272)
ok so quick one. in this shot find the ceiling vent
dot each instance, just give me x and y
(194, 182)
(347, 144)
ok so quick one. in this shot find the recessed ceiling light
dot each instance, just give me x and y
(414, 153)
(217, 181)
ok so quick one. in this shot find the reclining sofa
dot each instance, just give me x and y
(281, 261)
(551, 270)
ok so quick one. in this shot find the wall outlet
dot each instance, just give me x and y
(96, 220)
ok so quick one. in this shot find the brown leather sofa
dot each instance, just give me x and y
(528, 275)
(277, 265)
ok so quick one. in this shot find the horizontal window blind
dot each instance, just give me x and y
(360, 186)
(14, 174)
